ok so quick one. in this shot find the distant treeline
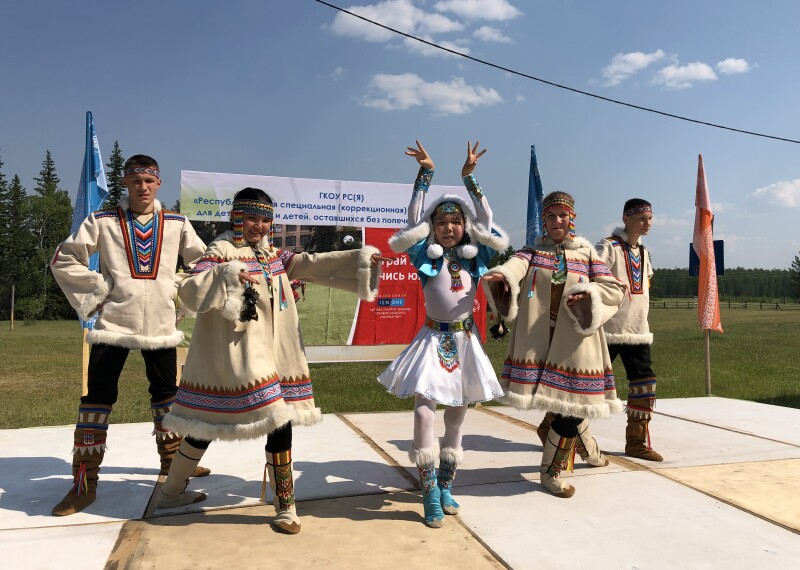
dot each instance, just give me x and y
(738, 283)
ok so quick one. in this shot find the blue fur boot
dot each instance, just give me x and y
(449, 459)
(431, 495)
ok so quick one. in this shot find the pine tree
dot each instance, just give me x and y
(51, 217)
(114, 176)
(5, 262)
(20, 248)
(795, 272)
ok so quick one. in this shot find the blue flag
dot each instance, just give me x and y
(535, 198)
(92, 189)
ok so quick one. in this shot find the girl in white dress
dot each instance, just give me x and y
(445, 362)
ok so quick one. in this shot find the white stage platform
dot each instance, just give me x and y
(726, 496)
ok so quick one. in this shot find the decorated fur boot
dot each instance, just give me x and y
(449, 458)
(87, 455)
(587, 446)
(173, 491)
(281, 481)
(637, 439)
(168, 442)
(431, 494)
(556, 457)
(544, 426)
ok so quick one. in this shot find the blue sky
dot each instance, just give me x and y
(292, 88)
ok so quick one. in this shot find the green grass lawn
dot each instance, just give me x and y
(756, 359)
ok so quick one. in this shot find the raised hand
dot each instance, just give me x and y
(472, 158)
(421, 156)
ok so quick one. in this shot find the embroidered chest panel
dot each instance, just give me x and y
(142, 243)
(634, 266)
(589, 268)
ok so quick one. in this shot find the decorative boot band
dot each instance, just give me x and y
(158, 411)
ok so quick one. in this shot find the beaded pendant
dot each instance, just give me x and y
(454, 268)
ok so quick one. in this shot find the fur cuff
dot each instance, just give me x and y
(629, 338)
(94, 299)
(369, 273)
(426, 456)
(585, 314)
(405, 238)
(496, 238)
(454, 455)
(235, 289)
(498, 289)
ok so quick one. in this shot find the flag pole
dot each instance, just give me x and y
(708, 362)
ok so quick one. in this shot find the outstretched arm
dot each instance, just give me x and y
(482, 210)
(421, 184)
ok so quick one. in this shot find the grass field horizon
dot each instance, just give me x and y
(755, 359)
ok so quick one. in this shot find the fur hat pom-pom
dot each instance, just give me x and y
(467, 251)
(435, 251)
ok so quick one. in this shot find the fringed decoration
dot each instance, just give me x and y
(237, 221)
(283, 303)
(454, 268)
(447, 350)
(647, 433)
(533, 283)
(572, 227)
(81, 486)
(265, 267)
(571, 461)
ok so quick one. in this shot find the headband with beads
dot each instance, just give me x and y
(561, 202)
(447, 208)
(637, 210)
(252, 207)
(152, 171)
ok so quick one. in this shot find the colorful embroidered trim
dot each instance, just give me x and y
(565, 381)
(233, 402)
(142, 243)
(152, 171)
(634, 267)
(297, 390)
(423, 181)
(473, 188)
(158, 410)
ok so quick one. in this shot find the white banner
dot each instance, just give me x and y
(207, 196)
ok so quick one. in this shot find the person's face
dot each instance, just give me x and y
(448, 230)
(142, 189)
(255, 227)
(556, 222)
(638, 224)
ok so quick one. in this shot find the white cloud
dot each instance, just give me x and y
(497, 10)
(623, 65)
(490, 34)
(520, 98)
(673, 222)
(785, 193)
(732, 65)
(682, 76)
(399, 14)
(401, 92)
(429, 51)
(338, 73)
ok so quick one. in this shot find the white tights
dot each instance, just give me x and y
(424, 416)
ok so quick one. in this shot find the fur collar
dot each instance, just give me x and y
(408, 236)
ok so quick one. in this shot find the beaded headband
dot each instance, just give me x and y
(251, 207)
(152, 171)
(447, 208)
(637, 210)
(561, 202)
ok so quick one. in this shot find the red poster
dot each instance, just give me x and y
(399, 311)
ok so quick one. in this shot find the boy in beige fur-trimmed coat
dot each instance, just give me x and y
(132, 299)
(560, 293)
(246, 374)
(628, 332)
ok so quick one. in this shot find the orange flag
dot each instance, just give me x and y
(703, 244)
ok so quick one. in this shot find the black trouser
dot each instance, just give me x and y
(277, 440)
(641, 378)
(566, 426)
(105, 367)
